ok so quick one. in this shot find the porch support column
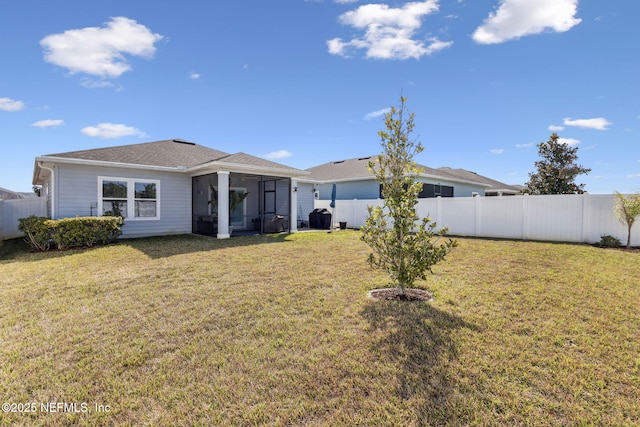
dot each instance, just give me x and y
(293, 214)
(223, 205)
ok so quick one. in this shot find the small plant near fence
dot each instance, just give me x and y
(627, 209)
(45, 234)
(608, 241)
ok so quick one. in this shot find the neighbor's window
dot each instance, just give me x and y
(435, 190)
(430, 190)
(129, 198)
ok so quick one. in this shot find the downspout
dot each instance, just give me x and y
(53, 188)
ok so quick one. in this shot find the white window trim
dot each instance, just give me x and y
(131, 196)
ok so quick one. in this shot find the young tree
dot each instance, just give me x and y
(401, 242)
(628, 210)
(557, 171)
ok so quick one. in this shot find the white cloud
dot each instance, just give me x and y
(569, 141)
(388, 32)
(527, 145)
(8, 104)
(497, 151)
(111, 131)
(599, 123)
(518, 18)
(100, 51)
(98, 84)
(194, 76)
(555, 128)
(48, 123)
(280, 154)
(378, 113)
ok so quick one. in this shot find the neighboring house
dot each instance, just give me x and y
(354, 181)
(171, 187)
(496, 188)
(14, 195)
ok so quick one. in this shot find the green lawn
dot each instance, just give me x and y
(277, 330)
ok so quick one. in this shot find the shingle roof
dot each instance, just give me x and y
(342, 170)
(353, 169)
(6, 194)
(358, 169)
(173, 154)
(247, 159)
(168, 153)
(472, 176)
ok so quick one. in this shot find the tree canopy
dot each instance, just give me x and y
(556, 172)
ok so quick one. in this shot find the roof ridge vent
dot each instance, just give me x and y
(338, 161)
(364, 158)
(182, 141)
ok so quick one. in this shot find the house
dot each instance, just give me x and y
(496, 188)
(354, 181)
(14, 195)
(171, 187)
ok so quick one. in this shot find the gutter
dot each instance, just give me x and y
(69, 161)
(53, 188)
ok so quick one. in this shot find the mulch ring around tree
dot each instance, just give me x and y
(393, 294)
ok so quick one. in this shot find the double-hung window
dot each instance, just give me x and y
(136, 199)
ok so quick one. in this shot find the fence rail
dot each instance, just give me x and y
(561, 218)
(12, 210)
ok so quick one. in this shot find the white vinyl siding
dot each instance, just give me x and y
(305, 202)
(77, 195)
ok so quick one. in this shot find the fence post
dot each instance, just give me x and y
(584, 218)
(477, 226)
(524, 217)
(1, 222)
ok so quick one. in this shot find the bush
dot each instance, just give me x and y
(84, 231)
(608, 241)
(45, 234)
(38, 234)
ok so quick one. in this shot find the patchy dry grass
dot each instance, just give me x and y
(277, 330)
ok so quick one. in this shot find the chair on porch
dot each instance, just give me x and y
(277, 224)
(207, 224)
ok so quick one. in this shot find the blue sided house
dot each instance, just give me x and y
(171, 187)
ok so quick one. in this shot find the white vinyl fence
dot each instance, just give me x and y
(560, 218)
(12, 210)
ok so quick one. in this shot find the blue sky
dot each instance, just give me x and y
(304, 82)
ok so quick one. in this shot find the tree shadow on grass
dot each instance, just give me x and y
(166, 246)
(153, 247)
(419, 339)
